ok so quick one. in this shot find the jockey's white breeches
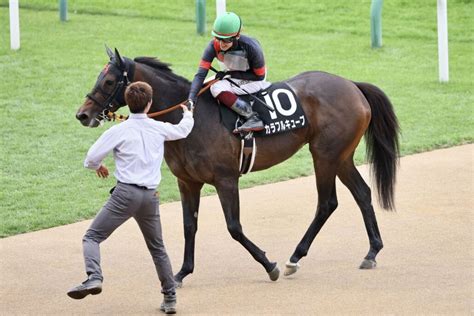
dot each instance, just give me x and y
(247, 85)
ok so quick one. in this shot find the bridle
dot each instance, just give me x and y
(125, 79)
(118, 91)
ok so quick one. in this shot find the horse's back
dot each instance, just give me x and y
(327, 87)
(323, 93)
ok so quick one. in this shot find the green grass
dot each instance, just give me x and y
(43, 183)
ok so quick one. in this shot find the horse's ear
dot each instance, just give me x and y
(109, 51)
(120, 61)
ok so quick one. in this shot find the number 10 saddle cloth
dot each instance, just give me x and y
(281, 113)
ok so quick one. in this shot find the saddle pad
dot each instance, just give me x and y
(287, 112)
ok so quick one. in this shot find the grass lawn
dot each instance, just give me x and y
(43, 183)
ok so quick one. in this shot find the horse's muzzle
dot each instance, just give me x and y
(83, 117)
(86, 119)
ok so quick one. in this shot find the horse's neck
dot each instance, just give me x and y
(166, 93)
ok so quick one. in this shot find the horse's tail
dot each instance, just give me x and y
(382, 145)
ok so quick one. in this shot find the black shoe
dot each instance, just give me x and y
(253, 124)
(90, 286)
(169, 304)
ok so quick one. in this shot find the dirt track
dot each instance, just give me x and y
(426, 266)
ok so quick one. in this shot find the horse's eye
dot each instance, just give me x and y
(109, 82)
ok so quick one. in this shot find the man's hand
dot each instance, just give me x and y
(102, 172)
(188, 106)
(220, 75)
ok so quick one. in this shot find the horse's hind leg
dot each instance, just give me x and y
(327, 203)
(190, 196)
(228, 192)
(361, 192)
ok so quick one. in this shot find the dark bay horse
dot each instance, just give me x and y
(339, 113)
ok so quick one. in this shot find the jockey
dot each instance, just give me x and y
(241, 59)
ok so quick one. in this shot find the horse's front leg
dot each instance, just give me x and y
(190, 196)
(228, 192)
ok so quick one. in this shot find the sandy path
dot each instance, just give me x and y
(426, 266)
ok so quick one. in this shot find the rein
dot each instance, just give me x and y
(119, 117)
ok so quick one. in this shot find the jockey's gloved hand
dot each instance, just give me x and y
(220, 75)
(189, 104)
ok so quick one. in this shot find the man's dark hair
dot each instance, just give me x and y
(137, 96)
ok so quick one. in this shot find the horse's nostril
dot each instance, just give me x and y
(81, 116)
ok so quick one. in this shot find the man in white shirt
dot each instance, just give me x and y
(137, 145)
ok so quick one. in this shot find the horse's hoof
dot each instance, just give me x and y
(178, 284)
(274, 274)
(291, 268)
(368, 264)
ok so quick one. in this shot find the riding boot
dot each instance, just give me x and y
(253, 122)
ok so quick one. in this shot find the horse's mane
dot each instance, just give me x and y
(159, 66)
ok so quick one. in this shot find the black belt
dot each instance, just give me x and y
(135, 185)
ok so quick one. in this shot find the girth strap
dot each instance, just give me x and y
(248, 151)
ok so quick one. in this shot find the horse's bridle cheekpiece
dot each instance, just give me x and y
(126, 67)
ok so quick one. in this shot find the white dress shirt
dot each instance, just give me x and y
(138, 146)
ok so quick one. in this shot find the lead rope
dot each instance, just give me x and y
(120, 118)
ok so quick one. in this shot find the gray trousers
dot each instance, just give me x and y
(129, 201)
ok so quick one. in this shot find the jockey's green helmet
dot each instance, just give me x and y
(227, 25)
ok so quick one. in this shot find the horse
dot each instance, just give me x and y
(339, 113)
